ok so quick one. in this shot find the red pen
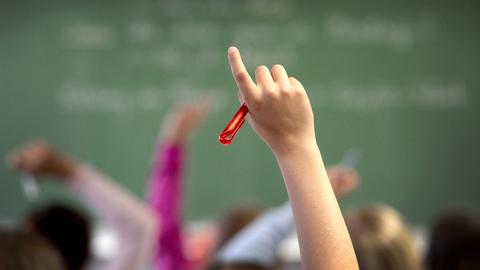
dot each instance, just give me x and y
(227, 135)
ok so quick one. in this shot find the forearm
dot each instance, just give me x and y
(323, 236)
(165, 196)
(128, 216)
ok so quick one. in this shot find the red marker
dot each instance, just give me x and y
(233, 126)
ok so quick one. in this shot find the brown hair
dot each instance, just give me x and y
(238, 266)
(22, 250)
(236, 219)
(381, 240)
(454, 241)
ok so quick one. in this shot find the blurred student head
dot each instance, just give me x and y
(24, 250)
(454, 242)
(238, 266)
(201, 248)
(381, 240)
(237, 218)
(67, 229)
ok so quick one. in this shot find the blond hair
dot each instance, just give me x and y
(381, 240)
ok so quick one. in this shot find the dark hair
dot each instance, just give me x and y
(24, 250)
(237, 218)
(238, 266)
(67, 229)
(454, 242)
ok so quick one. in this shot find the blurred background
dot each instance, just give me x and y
(398, 81)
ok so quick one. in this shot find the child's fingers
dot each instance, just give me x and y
(279, 75)
(20, 161)
(295, 82)
(240, 74)
(264, 77)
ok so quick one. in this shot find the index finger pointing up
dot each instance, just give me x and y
(244, 81)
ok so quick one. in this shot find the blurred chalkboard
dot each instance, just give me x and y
(398, 80)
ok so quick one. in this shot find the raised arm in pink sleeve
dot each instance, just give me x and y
(132, 220)
(165, 198)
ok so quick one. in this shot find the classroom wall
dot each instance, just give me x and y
(397, 80)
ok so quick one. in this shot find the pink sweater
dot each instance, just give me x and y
(164, 197)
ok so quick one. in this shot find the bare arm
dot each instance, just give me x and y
(323, 238)
(280, 113)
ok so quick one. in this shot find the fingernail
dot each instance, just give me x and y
(232, 49)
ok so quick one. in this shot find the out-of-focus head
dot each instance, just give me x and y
(381, 240)
(454, 242)
(239, 266)
(68, 230)
(24, 250)
(235, 219)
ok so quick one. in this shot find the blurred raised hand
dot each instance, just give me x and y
(38, 158)
(343, 179)
(182, 121)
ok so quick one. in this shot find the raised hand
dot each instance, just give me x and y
(281, 115)
(41, 159)
(280, 112)
(182, 121)
(343, 179)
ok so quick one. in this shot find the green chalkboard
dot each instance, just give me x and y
(398, 80)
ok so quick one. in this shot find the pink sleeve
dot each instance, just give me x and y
(165, 198)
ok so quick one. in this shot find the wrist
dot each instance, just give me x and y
(301, 155)
(299, 166)
(170, 142)
(294, 146)
(67, 169)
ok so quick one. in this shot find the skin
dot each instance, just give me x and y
(41, 159)
(281, 114)
(343, 179)
(182, 122)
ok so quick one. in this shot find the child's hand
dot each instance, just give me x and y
(280, 112)
(282, 116)
(343, 179)
(182, 121)
(40, 159)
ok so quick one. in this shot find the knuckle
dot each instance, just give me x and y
(298, 92)
(254, 102)
(286, 93)
(273, 93)
(240, 76)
